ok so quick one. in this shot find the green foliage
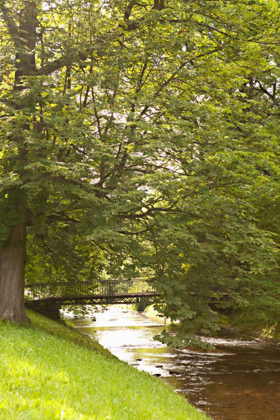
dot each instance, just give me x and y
(146, 141)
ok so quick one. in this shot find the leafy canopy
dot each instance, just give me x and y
(151, 146)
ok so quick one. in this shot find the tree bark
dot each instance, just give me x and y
(12, 271)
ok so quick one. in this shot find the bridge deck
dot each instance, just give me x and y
(104, 299)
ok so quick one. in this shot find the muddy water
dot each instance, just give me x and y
(240, 380)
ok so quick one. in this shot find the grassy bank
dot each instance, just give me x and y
(49, 372)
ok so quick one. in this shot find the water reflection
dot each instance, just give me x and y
(240, 380)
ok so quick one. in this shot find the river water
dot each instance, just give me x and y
(239, 380)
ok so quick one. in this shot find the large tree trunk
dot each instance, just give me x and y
(13, 249)
(12, 268)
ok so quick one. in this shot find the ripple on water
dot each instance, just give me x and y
(239, 380)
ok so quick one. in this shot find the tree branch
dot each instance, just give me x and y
(11, 24)
(129, 8)
(56, 65)
(173, 76)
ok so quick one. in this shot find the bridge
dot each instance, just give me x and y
(113, 291)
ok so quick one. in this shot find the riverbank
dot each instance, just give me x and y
(235, 325)
(238, 380)
(49, 372)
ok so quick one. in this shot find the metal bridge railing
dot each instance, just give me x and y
(117, 287)
(88, 288)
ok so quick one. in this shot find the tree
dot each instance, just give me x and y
(130, 126)
(30, 137)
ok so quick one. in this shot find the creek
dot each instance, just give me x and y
(239, 380)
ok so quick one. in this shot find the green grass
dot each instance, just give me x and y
(49, 371)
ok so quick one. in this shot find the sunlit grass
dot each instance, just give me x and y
(49, 371)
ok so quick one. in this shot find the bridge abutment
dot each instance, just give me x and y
(49, 308)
